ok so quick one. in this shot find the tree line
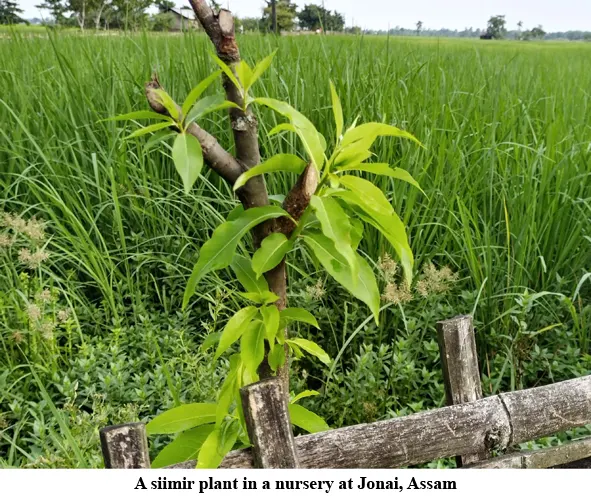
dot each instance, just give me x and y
(84, 13)
(283, 15)
(277, 16)
(496, 29)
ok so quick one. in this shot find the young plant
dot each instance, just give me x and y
(325, 212)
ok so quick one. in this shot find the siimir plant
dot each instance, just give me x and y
(325, 211)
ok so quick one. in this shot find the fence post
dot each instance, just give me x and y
(268, 424)
(125, 446)
(457, 347)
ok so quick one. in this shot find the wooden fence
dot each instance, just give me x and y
(471, 427)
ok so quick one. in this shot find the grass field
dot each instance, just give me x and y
(506, 171)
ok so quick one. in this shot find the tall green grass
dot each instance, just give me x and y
(505, 168)
(506, 171)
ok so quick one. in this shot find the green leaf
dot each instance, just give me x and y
(158, 137)
(235, 213)
(142, 114)
(240, 382)
(218, 252)
(149, 129)
(184, 447)
(313, 141)
(244, 73)
(167, 102)
(243, 270)
(365, 289)
(219, 442)
(228, 391)
(198, 90)
(368, 133)
(385, 170)
(210, 341)
(272, 251)
(182, 418)
(356, 233)
(252, 346)
(281, 128)
(291, 314)
(229, 73)
(188, 159)
(280, 162)
(393, 230)
(312, 348)
(405, 176)
(247, 376)
(351, 156)
(297, 351)
(261, 67)
(304, 394)
(337, 110)
(260, 298)
(208, 105)
(277, 198)
(388, 224)
(374, 198)
(306, 420)
(235, 327)
(271, 318)
(276, 357)
(336, 226)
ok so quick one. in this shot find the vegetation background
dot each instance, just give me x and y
(97, 238)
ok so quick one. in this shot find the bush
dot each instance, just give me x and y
(162, 22)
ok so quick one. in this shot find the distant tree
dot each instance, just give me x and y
(355, 30)
(496, 27)
(250, 24)
(313, 17)
(163, 21)
(164, 5)
(419, 27)
(272, 4)
(129, 14)
(538, 32)
(535, 33)
(215, 5)
(9, 12)
(56, 8)
(286, 12)
(101, 7)
(335, 21)
(82, 9)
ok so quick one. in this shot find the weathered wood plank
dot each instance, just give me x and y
(449, 431)
(268, 424)
(539, 412)
(461, 376)
(125, 446)
(565, 454)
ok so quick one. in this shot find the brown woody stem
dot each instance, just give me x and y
(220, 29)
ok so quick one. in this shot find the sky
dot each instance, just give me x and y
(553, 15)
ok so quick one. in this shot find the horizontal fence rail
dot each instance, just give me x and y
(572, 454)
(493, 423)
(471, 428)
